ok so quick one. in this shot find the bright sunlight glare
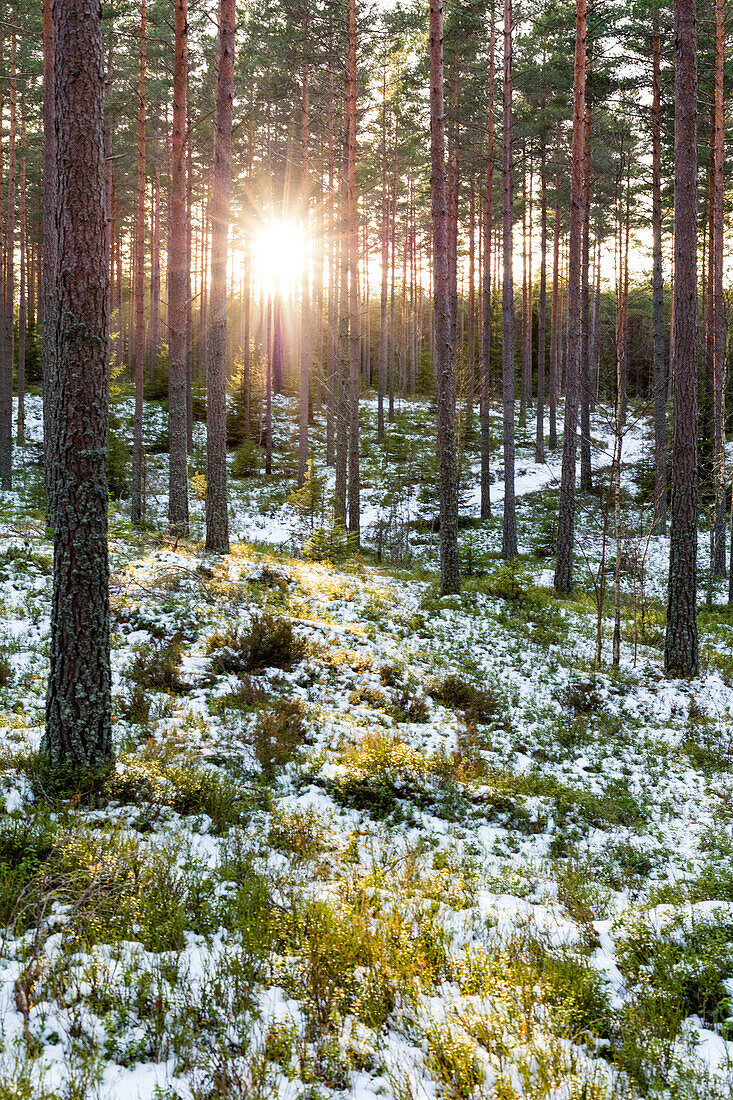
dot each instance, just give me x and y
(278, 255)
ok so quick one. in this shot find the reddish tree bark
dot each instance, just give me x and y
(217, 517)
(659, 526)
(566, 511)
(509, 539)
(177, 286)
(445, 367)
(681, 646)
(485, 364)
(137, 506)
(716, 288)
(78, 734)
(8, 334)
(22, 306)
(353, 260)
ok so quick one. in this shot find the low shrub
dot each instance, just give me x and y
(268, 642)
(157, 665)
(479, 704)
(278, 733)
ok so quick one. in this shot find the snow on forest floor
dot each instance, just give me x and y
(362, 840)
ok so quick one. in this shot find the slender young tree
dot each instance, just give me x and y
(539, 449)
(445, 366)
(659, 359)
(352, 246)
(384, 235)
(7, 337)
(305, 310)
(509, 538)
(716, 291)
(485, 364)
(177, 284)
(566, 512)
(78, 733)
(681, 648)
(136, 507)
(217, 516)
(22, 303)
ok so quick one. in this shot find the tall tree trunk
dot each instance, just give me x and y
(659, 526)
(586, 393)
(177, 286)
(681, 652)
(331, 326)
(270, 340)
(78, 734)
(509, 540)
(445, 366)
(539, 449)
(305, 309)
(554, 380)
(485, 366)
(353, 261)
(137, 504)
(384, 232)
(393, 269)
(566, 510)
(217, 517)
(471, 372)
(342, 378)
(8, 340)
(526, 386)
(188, 281)
(22, 311)
(154, 351)
(716, 288)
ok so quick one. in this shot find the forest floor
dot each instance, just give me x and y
(362, 840)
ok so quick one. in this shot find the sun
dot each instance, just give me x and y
(278, 256)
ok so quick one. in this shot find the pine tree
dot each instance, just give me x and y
(680, 651)
(78, 732)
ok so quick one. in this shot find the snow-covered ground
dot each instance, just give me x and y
(409, 847)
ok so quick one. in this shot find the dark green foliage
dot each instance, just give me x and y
(480, 704)
(157, 665)
(268, 642)
(684, 964)
(278, 733)
(25, 845)
(152, 783)
(246, 460)
(118, 461)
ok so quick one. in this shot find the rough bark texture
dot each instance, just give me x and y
(716, 289)
(659, 526)
(177, 284)
(485, 364)
(217, 518)
(384, 230)
(566, 509)
(509, 539)
(555, 310)
(353, 261)
(444, 351)
(22, 310)
(7, 347)
(154, 346)
(586, 395)
(48, 286)
(78, 711)
(539, 449)
(305, 306)
(681, 650)
(136, 505)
